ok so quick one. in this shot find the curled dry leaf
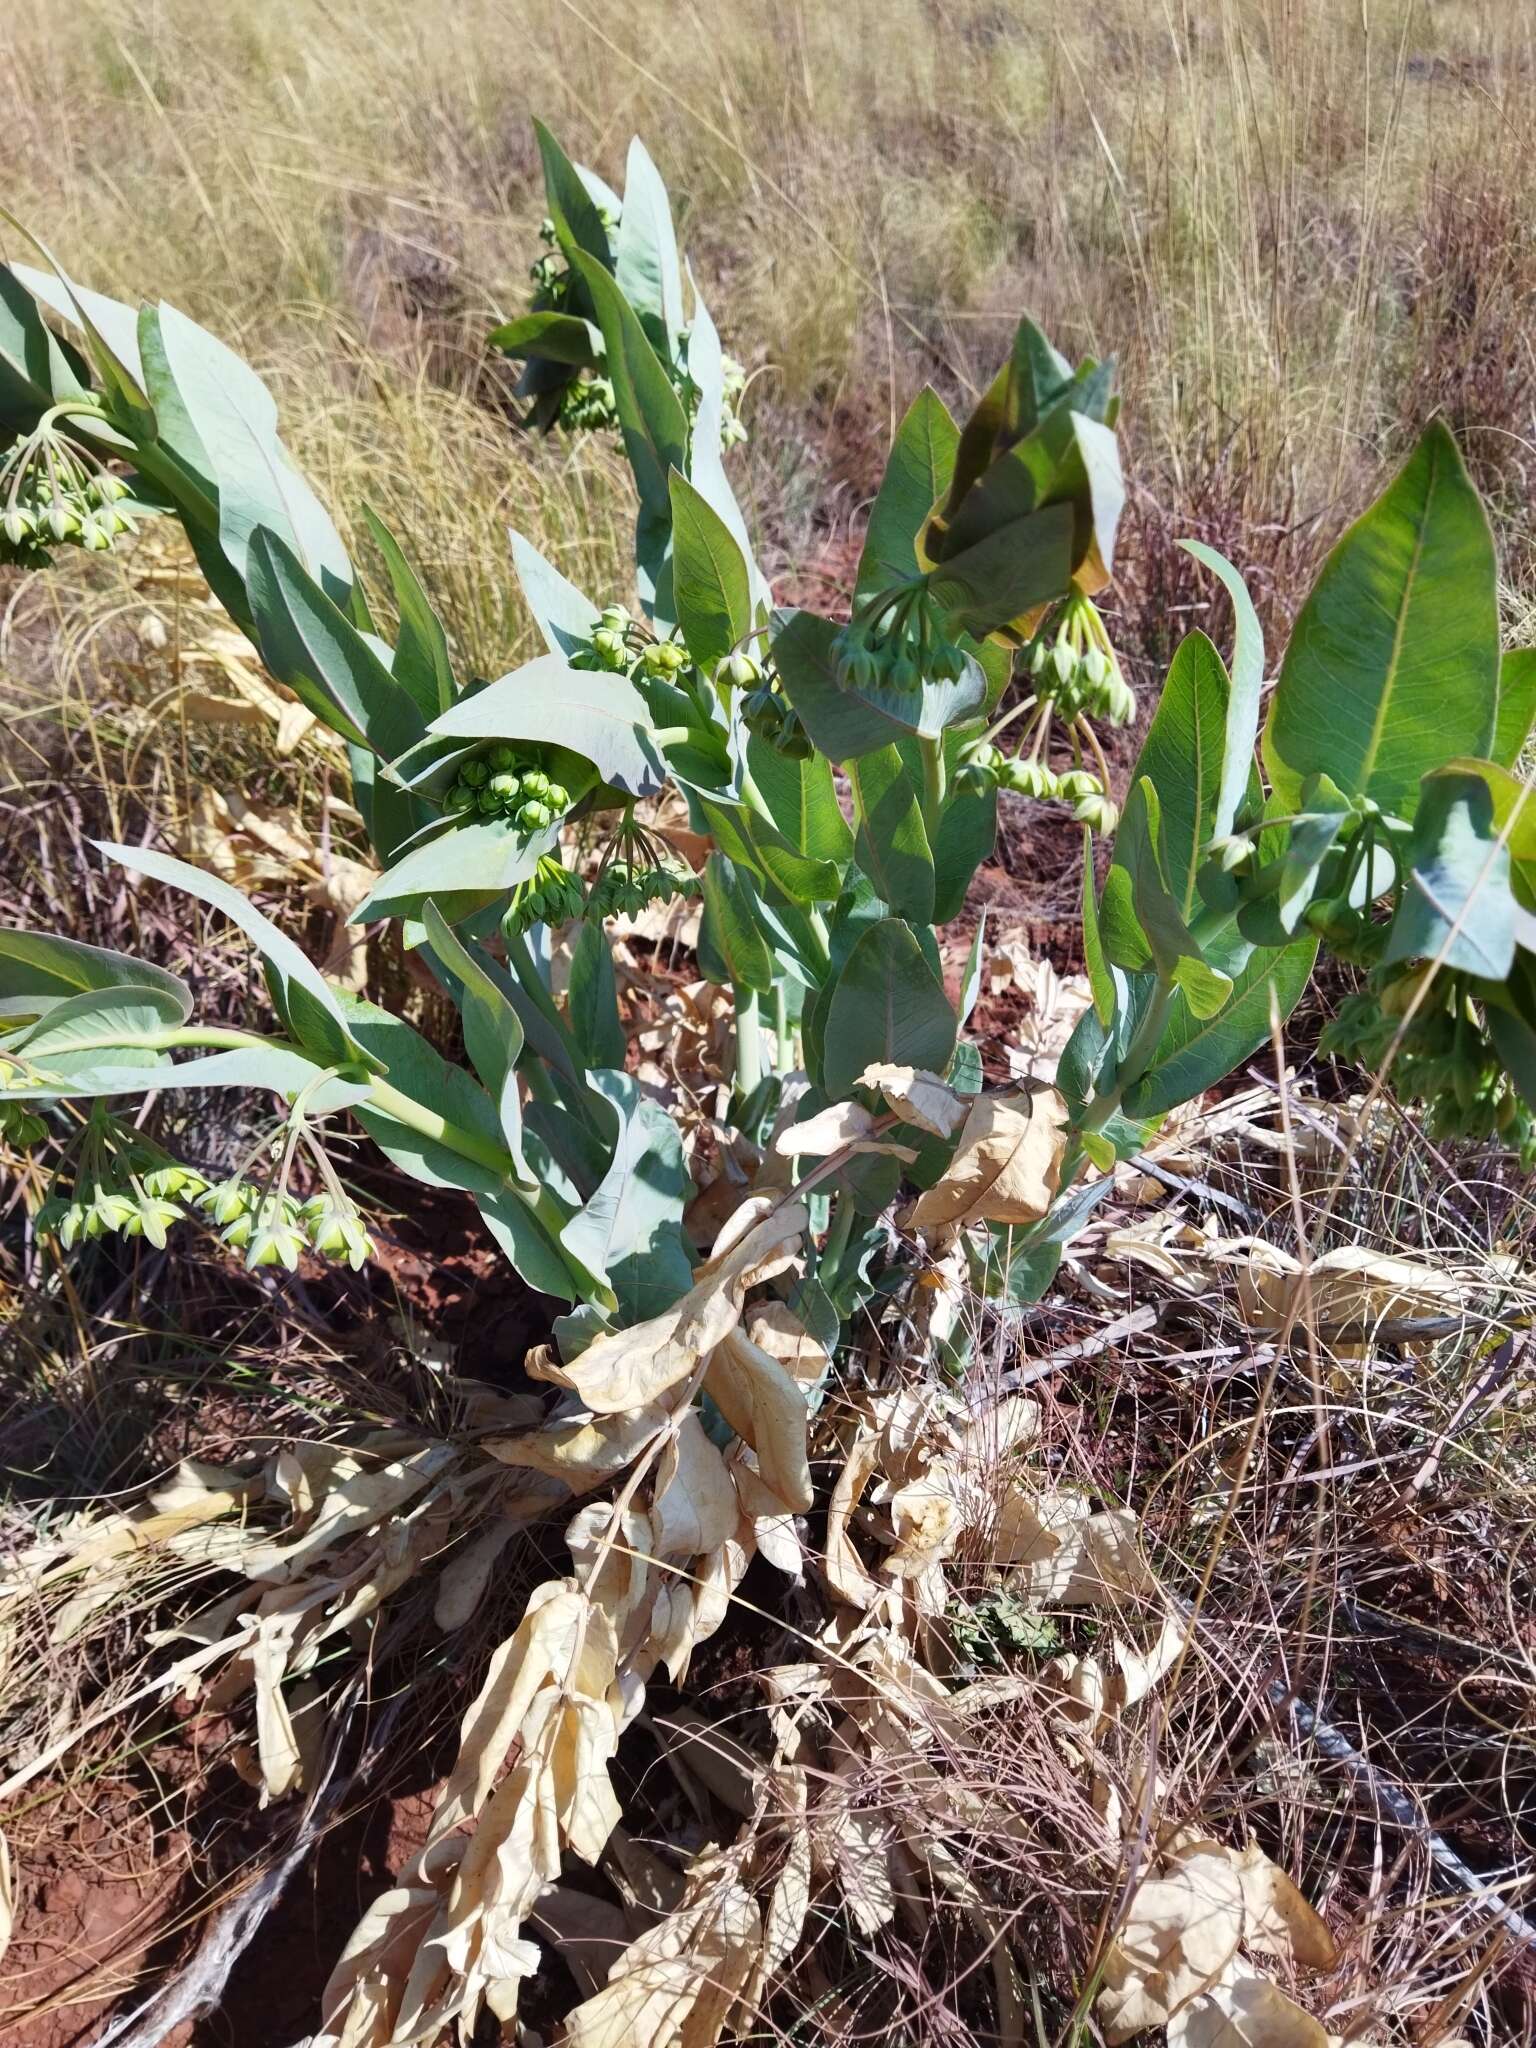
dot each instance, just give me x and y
(845, 1570)
(1007, 1167)
(1181, 1931)
(927, 1520)
(1348, 1287)
(919, 1097)
(695, 1506)
(775, 1328)
(628, 1369)
(1277, 1919)
(761, 1401)
(842, 1127)
(582, 1450)
(1061, 1553)
(1245, 2010)
(675, 1985)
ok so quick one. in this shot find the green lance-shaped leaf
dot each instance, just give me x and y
(1009, 573)
(730, 905)
(651, 416)
(844, 724)
(110, 329)
(888, 1006)
(1517, 705)
(465, 868)
(592, 1001)
(1456, 907)
(563, 614)
(600, 716)
(711, 584)
(646, 265)
(97, 1016)
(1101, 976)
(572, 208)
(493, 1032)
(39, 970)
(706, 452)
(917, 474)
(234, 418)
(748, 840)
(311, 646)
(1183, 756)
(1177, 955)
(892, 845)
(1246, 684)
(1393, 665)
(37, 370)
(1196, 1052)
(310, 1007)
(423, 665)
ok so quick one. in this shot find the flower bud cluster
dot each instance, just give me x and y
(53, 493)
(765, 709)
(1077, 670)
(272, 1227)
(626, 886)
(551, 895)
(984, 767)
(500, 782)
(897, 640)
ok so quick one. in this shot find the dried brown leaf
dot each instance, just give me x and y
(1007, 1168)
(919, 1097)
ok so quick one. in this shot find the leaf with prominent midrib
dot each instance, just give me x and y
(1394, 662)
(888, 1008)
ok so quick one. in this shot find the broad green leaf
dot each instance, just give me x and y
(1177, 954)
(1182, 755)
(752, 843)
(565, 617)
(234, 417)
(847, 723)
(135, 1071)
(1393, 664)
(465, 868)
(99, 1017)
(600, 716)
(1195, 1053)
(710, 583)
(308, 644)
(966, 836)
(917, 474)
(887, 1006)
(1009, 573)
(1456, 906)
(646, 266)
(1246, 687)
(110, 329)
(1514, 805)
(636, 1210)
(803, 800)
(288, 966)
(549, 337)
(530, 1249)
(592, 1001)
(422, 664)
(706, 456)
(730, 904)
(1517, 705)
(892, 845)
(41, 969)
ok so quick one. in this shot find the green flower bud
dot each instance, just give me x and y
(505, 788)
(18, 525)
(535, 783)
(168, 1181)
(475, 772)
(62, 521)
(1078, 783)
(558, 797)
(1098, 813)
(110, 1211)
(459, 798)
(1095, 668)
(611, 648)
(1064, 661)
(1119, 701)
(615, 618)
(274, 1244)
(93, 535)
(152, 1220)
(108, 489)
(226, 1201)
(500, 757)
(488, 801)
(534, 816)
(738, 672)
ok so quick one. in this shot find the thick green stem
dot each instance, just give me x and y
(935, 777)
(749, 1041)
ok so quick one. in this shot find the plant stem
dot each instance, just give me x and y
(935, 776)
(749, 1041)
(838, 1234)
